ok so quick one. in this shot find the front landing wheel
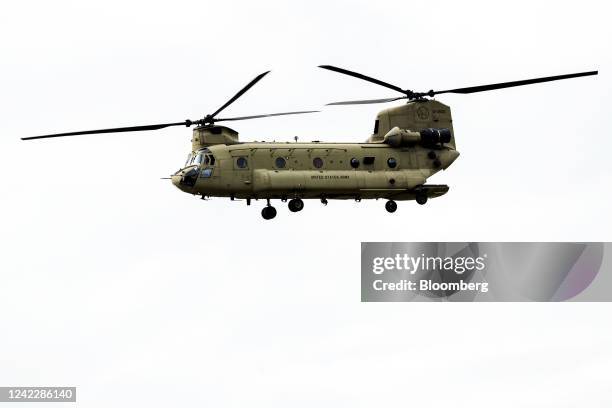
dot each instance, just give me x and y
(391, 206)
(268, 212)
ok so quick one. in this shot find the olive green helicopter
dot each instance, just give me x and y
(409, 144)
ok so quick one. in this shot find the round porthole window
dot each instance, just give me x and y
(241, 162)
(280, 163)
(317, 162)
(354, 162)
(392, 163)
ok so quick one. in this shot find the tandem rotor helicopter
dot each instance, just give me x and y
(409, 144)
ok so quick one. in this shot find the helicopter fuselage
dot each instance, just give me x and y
(221, 166)
(314, 170)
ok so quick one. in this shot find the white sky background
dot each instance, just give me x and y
(116, 282)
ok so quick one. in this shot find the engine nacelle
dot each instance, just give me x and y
(397, 137)
(432, 136)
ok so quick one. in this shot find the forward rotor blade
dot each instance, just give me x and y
(364, 77)
(366, 101)
(113, 130)
(501, 85)
(265, 116)
(240, 93)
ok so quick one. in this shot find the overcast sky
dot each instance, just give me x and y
(116, 282)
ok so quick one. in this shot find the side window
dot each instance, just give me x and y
(354, 162)
(317, 162)
(207, 172)
(212, 160)
(368, 160)
(242, 163)
(280, 163)
(391, 162)
(376, 126)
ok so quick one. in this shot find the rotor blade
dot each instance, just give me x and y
(265, 116)
(365, 101)
(113, 130)
(240, 93)
(364, 77)
(501, 85)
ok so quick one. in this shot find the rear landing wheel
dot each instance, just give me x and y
(296, 205)
(268, 212)
(391, 206)
(421, 198)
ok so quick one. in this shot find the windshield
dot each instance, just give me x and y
(188, 161)
(196, 159)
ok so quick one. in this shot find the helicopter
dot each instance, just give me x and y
(409, 144)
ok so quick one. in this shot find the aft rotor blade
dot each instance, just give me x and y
(112, 130)
(265, 116)
(364, 77)
(501, 85)
(240, 93)
(366, 101)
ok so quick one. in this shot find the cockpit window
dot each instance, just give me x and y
(200, 157)
(209, 159)
(197, 158)
(188, 162)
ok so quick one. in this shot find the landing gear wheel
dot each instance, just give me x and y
(268, 212)
(421, 198)
(296, 205)
(391, 206)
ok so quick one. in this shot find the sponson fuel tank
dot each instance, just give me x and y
(335, 181)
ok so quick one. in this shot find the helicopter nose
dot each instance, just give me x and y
(176, 180)
(185, 179)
